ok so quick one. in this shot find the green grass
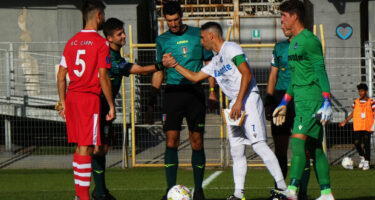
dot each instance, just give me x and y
(149, 184)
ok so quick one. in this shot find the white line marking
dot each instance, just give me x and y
(211, 178)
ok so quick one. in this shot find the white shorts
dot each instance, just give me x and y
(253, 128)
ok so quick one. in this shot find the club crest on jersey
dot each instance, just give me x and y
(184, 50)
(108, 59)
(295, 45)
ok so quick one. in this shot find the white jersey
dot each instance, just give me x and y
(225, 70)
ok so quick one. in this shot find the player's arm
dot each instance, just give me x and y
(314, 54)
(213, 102)
(61, 87)
(194, 77)
(143, 70)
(244, 68)
(105, 83)
(343, 123)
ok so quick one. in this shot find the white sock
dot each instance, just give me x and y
(239, 169)
(270, 160)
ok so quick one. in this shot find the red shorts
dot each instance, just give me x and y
(82, 118)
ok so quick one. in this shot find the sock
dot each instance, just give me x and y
(239, 169)
(98, 172)
(298, 161)
(171, 165)
(270, 160)
(198, 161)
(305, 179)
(322, 167)
(82, 174)
(74, 172)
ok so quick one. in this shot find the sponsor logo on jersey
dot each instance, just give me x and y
(295, 45)
(183, 42)
(222, 70)
(295, 57)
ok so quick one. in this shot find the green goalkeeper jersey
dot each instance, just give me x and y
(307, 69)
(280, 61)
(186, 48)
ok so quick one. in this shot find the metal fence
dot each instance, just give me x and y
(33, 136)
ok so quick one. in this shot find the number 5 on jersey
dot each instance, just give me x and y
(81, 62)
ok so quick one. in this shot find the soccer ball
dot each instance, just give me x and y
(179, 192)
(347, 163)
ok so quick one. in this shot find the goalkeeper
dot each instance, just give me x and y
(311, 91)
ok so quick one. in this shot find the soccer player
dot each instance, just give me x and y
(311, 91)
(182, 97)
(363, 125)
(113, 30)
(278, 82)
(86, 59)
(232, 71)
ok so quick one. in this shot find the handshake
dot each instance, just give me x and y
(169, 61)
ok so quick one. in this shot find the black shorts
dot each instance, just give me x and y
(105, 126)
(286, 128)
(184, 101)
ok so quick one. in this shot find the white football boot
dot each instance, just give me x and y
(366, 165)
(326, 197)
(284, 194)
(361, 162)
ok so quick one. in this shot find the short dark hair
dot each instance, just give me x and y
(111, 25)
(362, 86)
(294, 7)
(89, 6)
(213, 25)
(171, 8)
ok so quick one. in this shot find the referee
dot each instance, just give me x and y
(182, 97)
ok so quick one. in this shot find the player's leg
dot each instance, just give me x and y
(237, 141)
(321, 167)
(195, 110)
(367, 147)
(98, 160)
(302, 192)
(174, 115)
(358, 145)
(255, 129)
(85, 127)
(82, 170)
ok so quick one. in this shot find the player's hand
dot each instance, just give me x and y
(342, 124)
(111, 114)
(325, 111)
(213, 103)
(60, 106)
(235, 112)
(279, 115)
(169, 61)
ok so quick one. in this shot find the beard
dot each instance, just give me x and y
(100, 25)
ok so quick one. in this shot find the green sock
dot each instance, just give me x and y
(198, 161)
(322, 168)
(98, 172)
(298, 160)
(171, 165)
(305, 179)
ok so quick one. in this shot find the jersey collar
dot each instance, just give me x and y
(88, 31)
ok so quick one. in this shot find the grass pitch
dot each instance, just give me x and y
(149, 184)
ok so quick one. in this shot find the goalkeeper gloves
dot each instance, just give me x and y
(279, 113)
(326, 110)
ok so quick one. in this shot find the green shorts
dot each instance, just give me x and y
(304, 122)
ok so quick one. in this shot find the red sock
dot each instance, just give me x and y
(74, 172)
(82, 174)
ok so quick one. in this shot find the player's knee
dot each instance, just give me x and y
(173, 143)
(197, 146)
